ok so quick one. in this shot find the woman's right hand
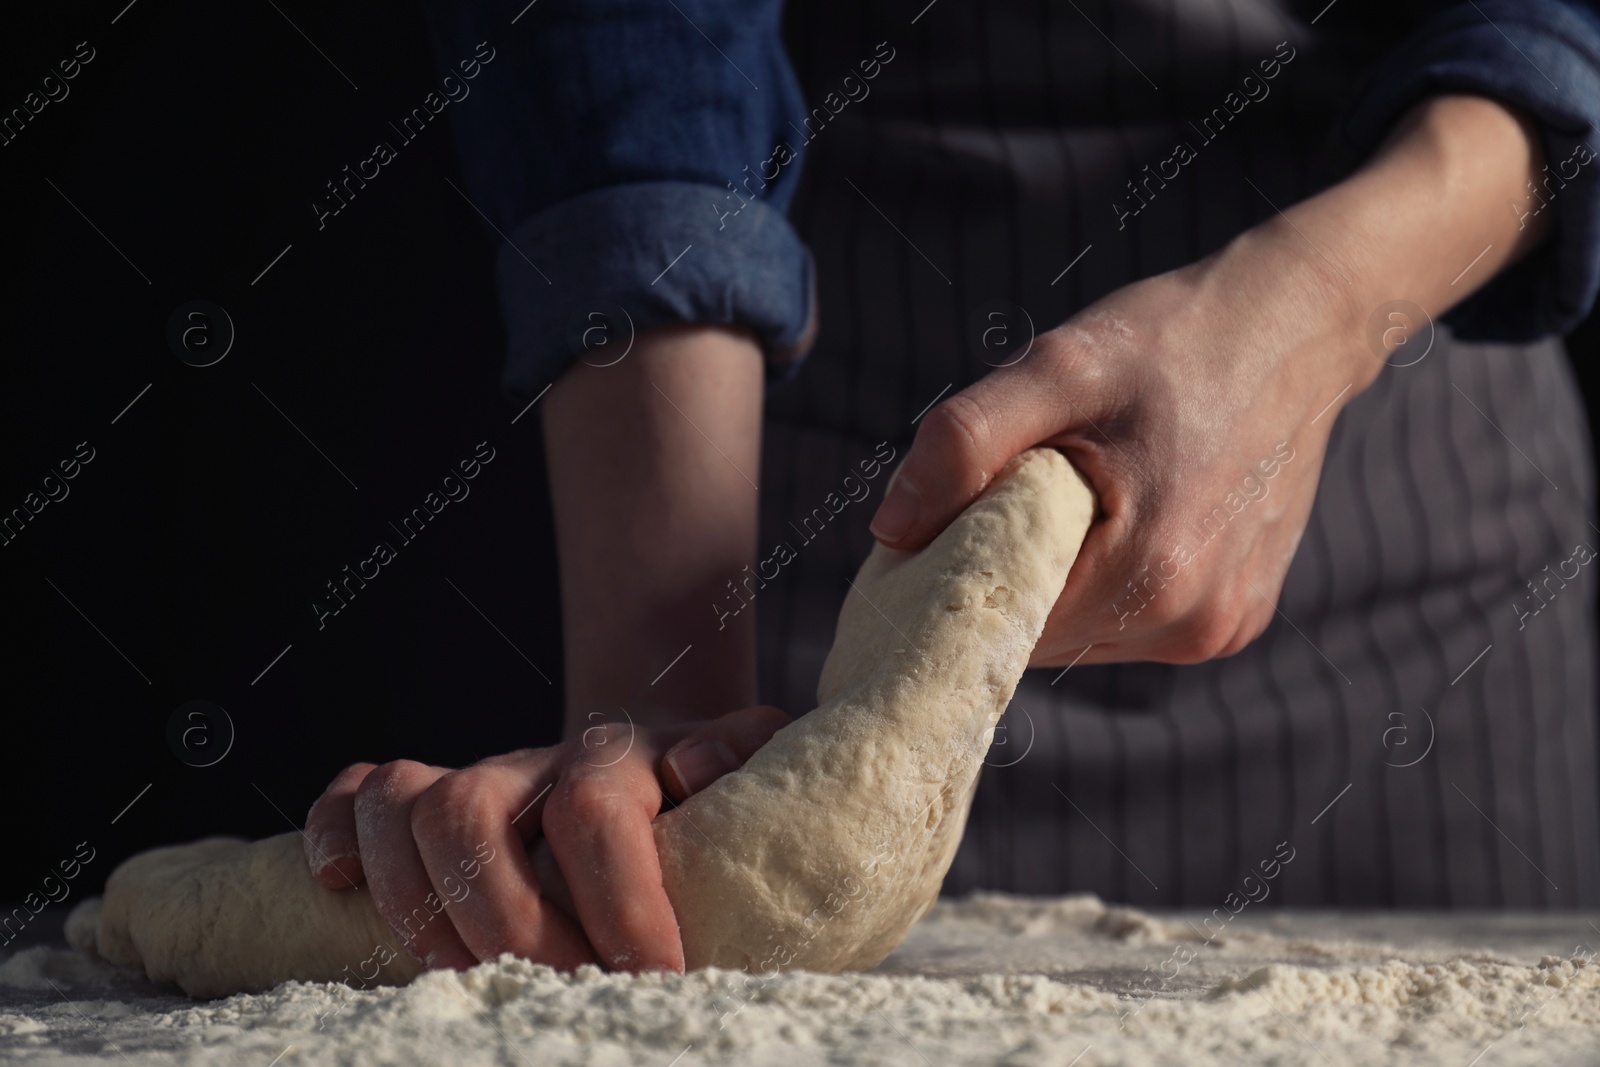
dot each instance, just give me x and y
(446, 853)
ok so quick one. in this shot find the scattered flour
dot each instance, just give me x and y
(990, 980)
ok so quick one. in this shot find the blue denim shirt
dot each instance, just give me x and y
(626, 155)
(1542, 56)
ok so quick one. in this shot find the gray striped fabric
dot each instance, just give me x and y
(1369, 727)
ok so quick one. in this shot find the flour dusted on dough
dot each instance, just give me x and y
(821, 853)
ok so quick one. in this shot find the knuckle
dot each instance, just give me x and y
(959, 425)
(1168, 612)
(383, 781)
(356, 772)
(1152, 604)
(604, 745)
(1205, 635)
(449, 801)
(515, 759)
(344, 784)
(1252, 626)
(606, 733)
(1076, 359)
(581, 802)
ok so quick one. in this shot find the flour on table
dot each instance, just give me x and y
(941, 998)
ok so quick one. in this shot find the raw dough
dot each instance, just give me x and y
(834, 838)
(225, 916)
(821, 853)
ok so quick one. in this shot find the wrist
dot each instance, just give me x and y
(1359, 268)
(1291, 306)
(1432, 217)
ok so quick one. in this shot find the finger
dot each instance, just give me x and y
(960, 447)
(552, 883)
(396, 874)
(718, 747)
(1151, 584)
(330, 837)
(598, 823)
(471, 827)
(1095, 620)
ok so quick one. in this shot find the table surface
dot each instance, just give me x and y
(1191, 988)
(1252, 939)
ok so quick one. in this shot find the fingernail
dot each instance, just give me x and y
(898, 512)
(702, 763)
(331, 846)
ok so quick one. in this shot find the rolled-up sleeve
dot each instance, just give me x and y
(628, 153)
(1543, 57)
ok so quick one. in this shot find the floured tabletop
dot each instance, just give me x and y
(990, 979)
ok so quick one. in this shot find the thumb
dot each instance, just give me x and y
(960, 446)
(718, 748)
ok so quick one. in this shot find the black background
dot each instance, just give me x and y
(196, 540)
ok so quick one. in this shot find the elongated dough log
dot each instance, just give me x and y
(821, 853)
(224, 916)
(832, 841)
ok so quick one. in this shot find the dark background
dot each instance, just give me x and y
(197, 538)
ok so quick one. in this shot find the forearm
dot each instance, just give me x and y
(653, 464)
(1439, 210)
(1432, 217)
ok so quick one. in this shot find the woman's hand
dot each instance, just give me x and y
(652, 458)
(1198, 403)
(445, 852)
(1189, 407)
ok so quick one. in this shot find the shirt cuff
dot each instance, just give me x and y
(581, 279)
(1541, 56)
